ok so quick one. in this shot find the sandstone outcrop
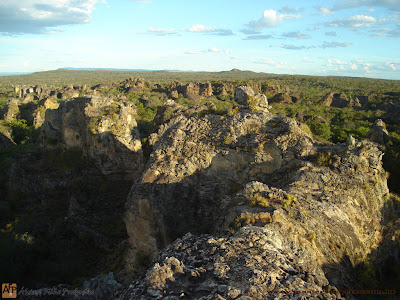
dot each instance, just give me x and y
(103, 128)
(40, 111)
(134, 84)
(11, 110)
(217, 174)
(200, 89)
(282, 98)
(340, 100)
(378, 132)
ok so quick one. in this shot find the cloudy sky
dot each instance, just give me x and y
(315, 37)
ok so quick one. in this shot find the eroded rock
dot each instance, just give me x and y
(104, 128)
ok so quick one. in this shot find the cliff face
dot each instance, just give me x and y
(103, 128)
(254, 172)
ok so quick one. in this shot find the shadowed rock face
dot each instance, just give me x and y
(104, 128)
(220, 174)
(5, 142)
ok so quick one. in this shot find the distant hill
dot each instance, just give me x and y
(118, 70)
(13, 73)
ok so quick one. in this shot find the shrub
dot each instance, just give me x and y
(258, 200)
(290, 199)
(228, 140)
(21, 132)
(321, 129)
(252, 102)
(168, 114)
(233, 111)
(324, 159)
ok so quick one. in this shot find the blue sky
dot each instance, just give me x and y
(333, 37)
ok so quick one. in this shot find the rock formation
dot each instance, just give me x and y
(340, 100)
(245, 96)
(282, 98)
(378, 132)
(200, 89)
(104, 128)
(11, 110)
(221, 174)
(132, 85)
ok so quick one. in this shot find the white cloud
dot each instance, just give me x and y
(387, 32)
(200, 28)
(296, 35)
(330, 33)
(353, 66)
(270, 19)
(265, 62)
(289, 10)
(159, 31)
(3, 66)
(277, 65)
(294, 47)
(258, 37)
(346, 4)
(356, 65)
(335, 45)
(357, 21)
(37, 16)
(214, 50)
(191, 51)
(324, 10)
(305, 59)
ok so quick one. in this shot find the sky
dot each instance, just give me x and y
(317, 37)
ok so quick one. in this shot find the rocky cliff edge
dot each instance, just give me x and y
(246, 176)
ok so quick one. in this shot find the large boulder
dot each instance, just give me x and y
(245, 96)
